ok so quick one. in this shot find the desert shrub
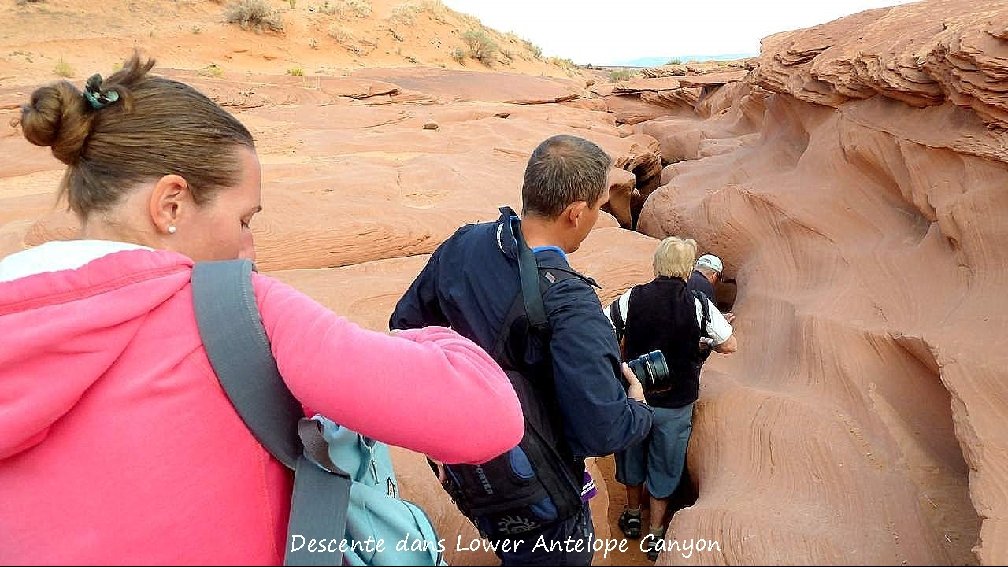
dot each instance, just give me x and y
(211, 70)
(458, 55)
(349, 41)
(404, 14)
(674, 61)
(253, 14)
(63, 69)
(347, 9)
(533, 48)
(342, 35)
(295, 72)
(436, 9)
(481, 46)
(563, 63)
(620, 75)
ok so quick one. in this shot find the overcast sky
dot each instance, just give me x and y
(614, 31)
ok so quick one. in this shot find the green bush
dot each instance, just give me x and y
(481, 46)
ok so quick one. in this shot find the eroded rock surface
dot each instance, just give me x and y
(855, 188)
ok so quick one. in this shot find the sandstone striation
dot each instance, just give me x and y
(854, 188)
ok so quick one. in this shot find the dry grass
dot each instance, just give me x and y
(565, 64)
(404, 14)
(437, 10)
(341, 34)
(534, 49)
(63, 69)
(254, 14)
(351, 9)
(211, 70)
(349, 41)
(621, 75)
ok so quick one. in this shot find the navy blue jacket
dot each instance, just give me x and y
(699, 282)
(471, 282)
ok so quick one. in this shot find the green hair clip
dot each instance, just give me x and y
(94, 95)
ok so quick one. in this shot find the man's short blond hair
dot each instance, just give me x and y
(675, 257)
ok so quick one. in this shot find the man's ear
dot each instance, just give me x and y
(167, 200)
(574, 211)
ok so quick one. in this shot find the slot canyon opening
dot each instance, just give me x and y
(725, 291)
(626, 196)
(916, 407)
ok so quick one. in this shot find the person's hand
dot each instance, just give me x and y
(635, 389)
(729, 316)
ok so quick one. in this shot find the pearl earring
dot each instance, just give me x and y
(171, 229)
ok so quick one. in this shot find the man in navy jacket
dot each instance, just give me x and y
(472, 281)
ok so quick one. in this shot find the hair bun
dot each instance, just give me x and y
(58, 116)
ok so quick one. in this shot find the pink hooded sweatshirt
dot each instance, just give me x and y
(118, 445)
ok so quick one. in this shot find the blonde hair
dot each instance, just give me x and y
(675, 257)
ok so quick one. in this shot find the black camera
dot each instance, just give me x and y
(651, 370)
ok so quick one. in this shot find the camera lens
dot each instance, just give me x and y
(650, 369)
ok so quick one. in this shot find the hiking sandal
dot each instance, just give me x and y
(652, 548)
(630, 524)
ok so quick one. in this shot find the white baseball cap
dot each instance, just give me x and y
(710, 262)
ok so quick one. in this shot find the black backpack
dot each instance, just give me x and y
(538, 482)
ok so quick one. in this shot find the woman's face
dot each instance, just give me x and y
(219, 230)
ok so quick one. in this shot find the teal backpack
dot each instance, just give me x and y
(345, 509)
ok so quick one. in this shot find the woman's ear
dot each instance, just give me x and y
(167, 201)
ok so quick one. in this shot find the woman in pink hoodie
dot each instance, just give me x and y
(117, 443)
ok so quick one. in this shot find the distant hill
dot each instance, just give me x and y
(42, 39)
(658, 61)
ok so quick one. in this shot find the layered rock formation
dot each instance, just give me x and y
(855, 187)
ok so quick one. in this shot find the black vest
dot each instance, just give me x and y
(662, 316)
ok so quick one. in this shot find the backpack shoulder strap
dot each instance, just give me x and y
(705, 308)
(238, 348)
(528, 270)
(617, 312)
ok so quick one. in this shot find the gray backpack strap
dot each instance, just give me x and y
(238, 348)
